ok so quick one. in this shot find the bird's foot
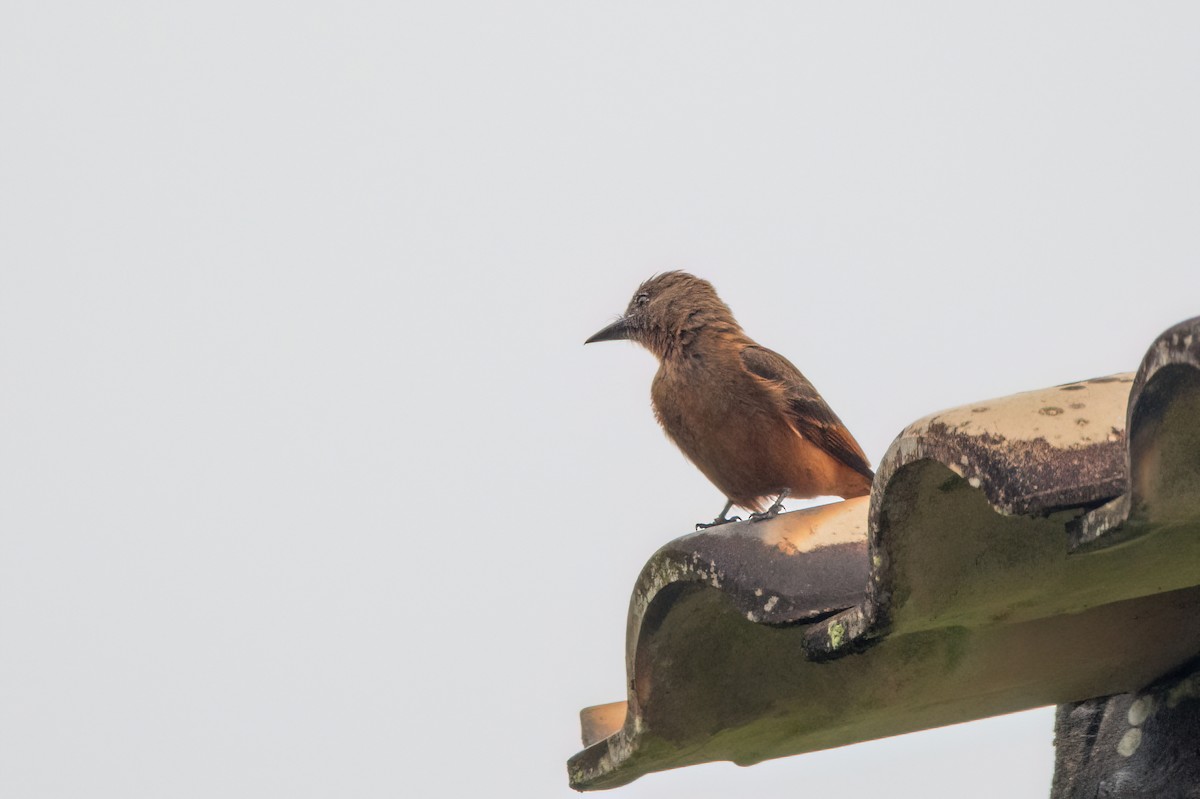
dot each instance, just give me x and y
(771, 512)
(717, 522)
(722, 518)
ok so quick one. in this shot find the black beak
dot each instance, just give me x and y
(617, 330)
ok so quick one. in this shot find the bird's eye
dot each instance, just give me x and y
(642, 298)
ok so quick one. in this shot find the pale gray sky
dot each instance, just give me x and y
(310, 488)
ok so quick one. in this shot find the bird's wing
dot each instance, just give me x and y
(809, 413)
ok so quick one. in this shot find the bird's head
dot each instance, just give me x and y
(668, 310)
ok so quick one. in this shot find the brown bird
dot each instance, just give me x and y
(742, 413)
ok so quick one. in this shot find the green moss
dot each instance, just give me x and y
(837, 634)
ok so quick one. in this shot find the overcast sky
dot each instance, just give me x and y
(309, 487)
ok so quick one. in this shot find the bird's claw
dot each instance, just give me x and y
(769, 513)
(774, 510)
(717, 522)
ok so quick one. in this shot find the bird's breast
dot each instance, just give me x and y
(706, 406)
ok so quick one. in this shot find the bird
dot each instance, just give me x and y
(743, 414)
